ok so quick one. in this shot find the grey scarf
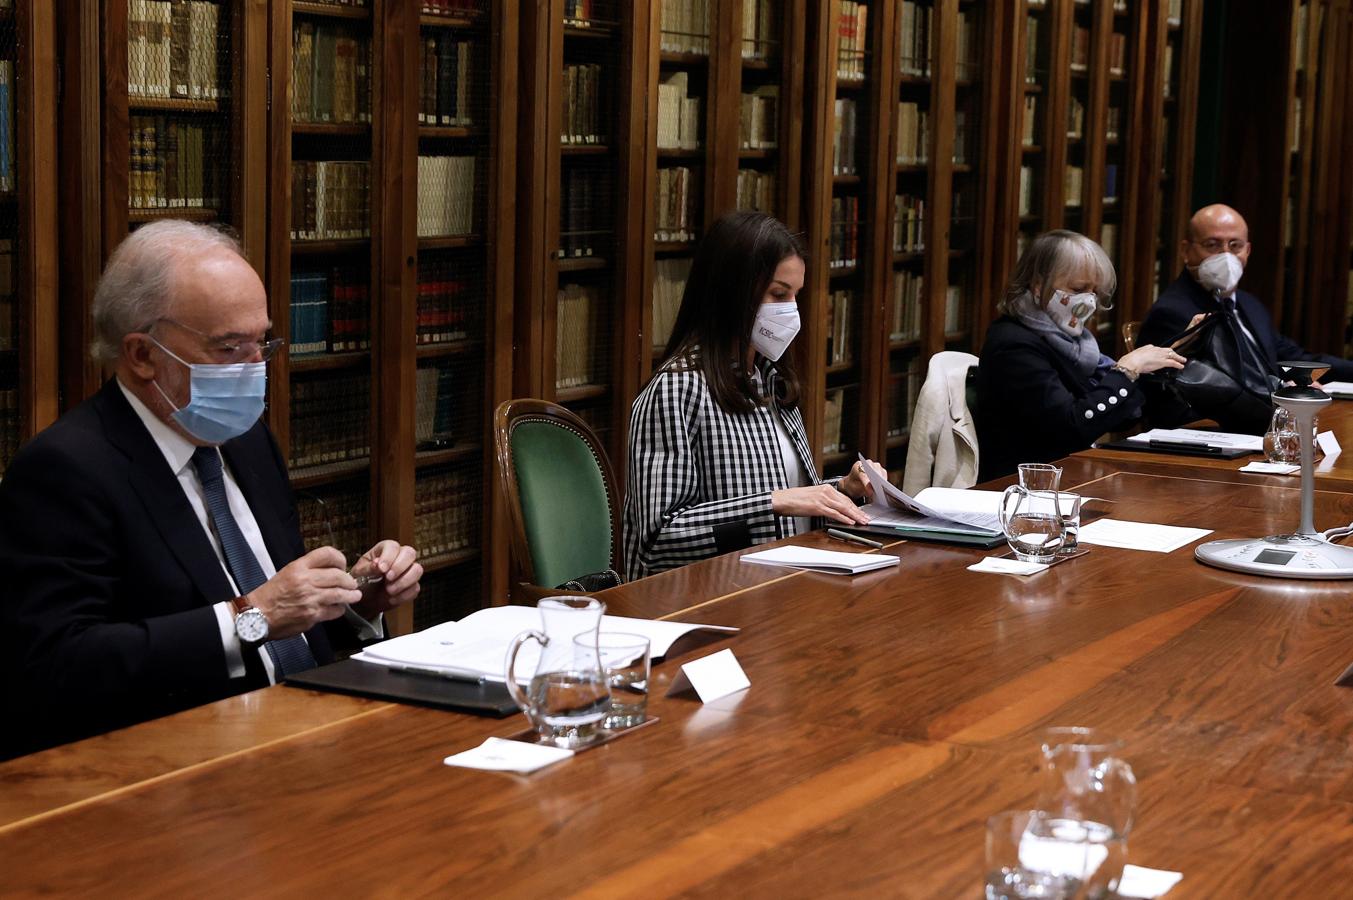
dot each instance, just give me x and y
(1082, 351)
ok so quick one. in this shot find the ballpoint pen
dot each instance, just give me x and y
(853, 538)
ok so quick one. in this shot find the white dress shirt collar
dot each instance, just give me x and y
(177, 449)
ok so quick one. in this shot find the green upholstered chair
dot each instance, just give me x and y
(559, 491)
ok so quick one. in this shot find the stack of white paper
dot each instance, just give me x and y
(933, 509)
(1224, 439)
(832, 561)
(1341, 389)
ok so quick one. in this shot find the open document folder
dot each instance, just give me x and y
(475, 648)
(941, 510)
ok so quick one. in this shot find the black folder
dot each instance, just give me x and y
(1177, 449)
(350, 676)
(960, 538)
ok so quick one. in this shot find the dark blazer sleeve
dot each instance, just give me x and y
(1029, 389)
(84, 655)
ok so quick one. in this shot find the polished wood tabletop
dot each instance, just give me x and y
(889, 715)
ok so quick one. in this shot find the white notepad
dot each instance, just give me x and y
(832, 561)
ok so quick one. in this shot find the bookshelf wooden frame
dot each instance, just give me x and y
(540, 153)
(35, 262)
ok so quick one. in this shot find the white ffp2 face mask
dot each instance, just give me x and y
(1069, 311)
(775, 327)
(1221, 273)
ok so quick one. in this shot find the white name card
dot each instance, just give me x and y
(1329, 443)
(712, 677)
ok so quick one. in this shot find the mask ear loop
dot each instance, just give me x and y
(155, 381)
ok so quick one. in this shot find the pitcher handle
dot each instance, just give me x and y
(1116, 771)
(1005, 503)
(514, 690)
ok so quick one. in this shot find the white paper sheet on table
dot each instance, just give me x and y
(1139, 881)
(937, 509)
(1139, 535)
(1341, 389)
(1001, 566)
(1194, 436)
(501, 755)
(1269, 468)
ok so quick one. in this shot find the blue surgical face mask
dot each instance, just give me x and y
(224, 400)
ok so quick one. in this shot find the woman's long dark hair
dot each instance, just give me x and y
(730, 275)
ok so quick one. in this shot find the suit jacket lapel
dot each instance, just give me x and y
(159, 491)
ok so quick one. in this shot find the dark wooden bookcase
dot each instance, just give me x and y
(28, 224)
(581, 210)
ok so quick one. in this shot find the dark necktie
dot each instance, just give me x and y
(1251, 357)
(289, 655)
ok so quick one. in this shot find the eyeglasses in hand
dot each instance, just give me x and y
(350, 559)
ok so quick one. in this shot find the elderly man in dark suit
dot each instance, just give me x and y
(1216, 249)
(149, 539)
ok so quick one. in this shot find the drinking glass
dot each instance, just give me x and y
(1039, 477)
(1282, 441)
(1032, 522)
(1069, 506)
(1027, 858)
(625, 659)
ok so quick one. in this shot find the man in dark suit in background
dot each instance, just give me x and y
(148, 539)
(1216, 249)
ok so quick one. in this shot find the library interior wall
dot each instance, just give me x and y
(523, 170)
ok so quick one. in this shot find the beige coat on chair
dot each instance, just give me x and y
(943, 447)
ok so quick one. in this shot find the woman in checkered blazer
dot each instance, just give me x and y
(718, 456)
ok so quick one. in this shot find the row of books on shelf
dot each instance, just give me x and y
(853, 35)
(908, 224)
(913, 134)
(669, 283)
(446, 195)
(8, 161)
(450, 7)
(445, 92)
(831, 421)
(678, 114)
(905, 308)
(168, 164)
(758, 119)
(966, 66)
(1080, 50)
(338, 518)
(330, 74)
(904, 388)
(1111, 185)
(1073, 186)
(685, 26)
(840, 327)
(1026, 190)
(446, 511)
(448, 301)
(757, 191)
(1108, 239)
(576, 310)
(758, 34)
(582, 210)
(437, 391)
(1032, 26)
(172, 49)
(675, 205)
(844, 131)
(1174, 12)
(582, 104)
(330, 419)
(1167, 68)
(1075, 113)
(9, 323)
(844, 237)
(330, 311)
(960, 153)
(9, 426)
(914, 39)
(356, 4)
(330, 200)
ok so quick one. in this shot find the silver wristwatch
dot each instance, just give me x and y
(251, 626)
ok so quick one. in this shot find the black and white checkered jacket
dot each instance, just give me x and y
(700, 479)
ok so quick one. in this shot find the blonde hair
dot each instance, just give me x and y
(1051, 257)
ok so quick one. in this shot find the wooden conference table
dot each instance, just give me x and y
(889, 715)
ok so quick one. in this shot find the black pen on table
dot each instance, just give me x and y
(853, 538)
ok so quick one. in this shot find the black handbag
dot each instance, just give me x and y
(1225, 379)
(596, 581)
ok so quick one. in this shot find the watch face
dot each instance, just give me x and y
(251, 626)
